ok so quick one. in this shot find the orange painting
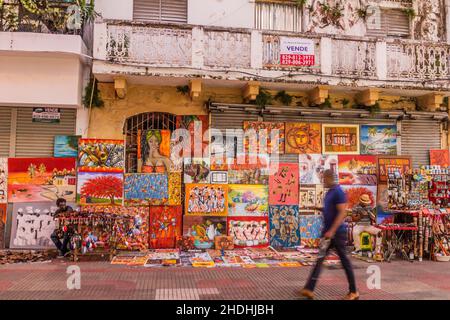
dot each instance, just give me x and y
(303, 137)
(439, 158)
(174, 189)
(340, 139)
(165, 226)
(261, 140)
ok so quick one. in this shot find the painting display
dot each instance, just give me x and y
(284, 226)
(3, 180)
(174, 192)
(356, 169)
(196, 170)
(303, 137)
(379, 139)
(310, 230)
(101, 155)
(165, 226)
(206, 199)
(312, 167)
(3, 216)
(439, 158)
(311, 196)
(154, 151)
(258, 137)
(204, 230)
(249, 231)
(283, 184)
(197, 127)
(387, 164)
(248, 200)
(354, 192)
(66, 146)
(100, 188)
(340, 139)
(145, 188)
(41, 179)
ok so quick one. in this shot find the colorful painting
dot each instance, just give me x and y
(146, 188)
(223, 242)
(196, 170)
(197, 126)
(100, 188)
(248, 200)
(303, 137)
(41, 179)
(312, 167)
(206, 199)
(340, 139)
(249, 169)
(3, 180)
(284, 227)
(354, 192)
(174, 189)
(101, 155)
(165, 226)
(154, 151)
(439, 158)
(387, 164)
(310, 230)
(283, 184)
(357, 169)
(258, 137)
(249, 231)
(204, 230)
(3, 216)
(379, 139)
(66, 146)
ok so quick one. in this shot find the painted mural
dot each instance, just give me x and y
(206, 199)
(312, 167)
(249, 231)
(66, 146)
(340, 139)
(283, 184)
(101, 155)
(145, 188)
(262, 141)
(379, 139)
(284, 226)
(303, 137)
(100, 188)
(204, 230)
(356, 169)
(3, 180)
(165, 226)
(154, 151)
(248, 200)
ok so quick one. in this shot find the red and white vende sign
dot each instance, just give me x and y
(296, 52)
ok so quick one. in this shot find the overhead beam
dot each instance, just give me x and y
(431, 101)
(251, 90)
(318, 95)
(120, 86)
(368, 97)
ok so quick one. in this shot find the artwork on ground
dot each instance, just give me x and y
(66, 146)
(154, 151)
(310, 230)
(204, 230)
(146, 188)
(356, 169)
(388, 164)
(223, 242)
(284, 227)
(165, 226)
(41, 179)
(3, 215)
(248, 200)
(249, 231)
(379, 139)
(197, 126)
(258, 137)
(312, 166)
(101, 155)
(196, 170)
(354, 192)
(206, 199)
(439, 158)
(174, 189)
(100, 188)
(3, 180)
(340, 139)
(303, 137)
(283, 184)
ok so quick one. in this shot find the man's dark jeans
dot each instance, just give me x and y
(62, 247)
(338, 243)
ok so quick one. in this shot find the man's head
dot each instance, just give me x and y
(61, 203)
(329, 178)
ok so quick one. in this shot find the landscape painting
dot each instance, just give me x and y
(379, 139)
(66, 146)
(356, 169)
(101, 155)
(248, 200)
(100, 188)
(145, 189)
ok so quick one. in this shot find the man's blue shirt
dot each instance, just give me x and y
(333, 197)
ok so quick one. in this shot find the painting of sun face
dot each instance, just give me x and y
(303, 137)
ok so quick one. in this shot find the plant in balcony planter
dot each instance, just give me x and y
(91, 98)
(284, 98)
(184, 90)
(264, 98)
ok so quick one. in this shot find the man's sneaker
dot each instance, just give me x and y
(352, 296)
(306, 294)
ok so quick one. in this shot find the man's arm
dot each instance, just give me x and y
(342, 214)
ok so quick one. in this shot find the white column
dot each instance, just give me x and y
(100, 41)
(198, 39)
(256, 50)
(381, 60)
(326, 56)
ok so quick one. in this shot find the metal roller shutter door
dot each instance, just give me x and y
(34, 139)
(5, 131)
(160, 10)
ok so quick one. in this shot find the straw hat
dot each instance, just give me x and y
(365, 199)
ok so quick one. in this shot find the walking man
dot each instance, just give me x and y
(334, 235)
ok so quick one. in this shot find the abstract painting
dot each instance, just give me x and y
(206, 199)
(439, 158)
(204, 230)
(165, 226)
(303, 137)
(312, 166)
(174, 189)
(3, 216)
(354, 192)
(357, 169)
(248, 200)
(283, 184)
(249, 231)
(154, 151)
(100, 188)
(41, 179)
(258, 137)
(310, 230)
(66, 146)
(379, 139)
(284, 226)
(340, 139)
(3, 180)
(146, 188)
(101, 155)
(386, 164)
(197, 126)
(196, 170)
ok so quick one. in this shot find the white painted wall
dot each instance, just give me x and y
(222, 13)
(115, 9)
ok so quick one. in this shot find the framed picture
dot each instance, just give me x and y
(386, 164)
(340, 139)
(379, 139)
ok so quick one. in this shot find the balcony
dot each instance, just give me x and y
(240, 54)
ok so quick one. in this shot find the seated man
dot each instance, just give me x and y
(364, 216)
(65, 233)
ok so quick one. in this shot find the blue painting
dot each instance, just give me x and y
(379, 139)
(66, 146)
(284, 226)
(146, 189)
(311, 230)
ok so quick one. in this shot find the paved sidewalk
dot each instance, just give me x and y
(101, 280)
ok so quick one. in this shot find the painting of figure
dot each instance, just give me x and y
(100, 188)
(356, 169)
(101, 155)
(340, 139)
(354, 192)
(249, 231)
(145, 189)
(312, 167)
(174, 189)
(196, 170)
(284, 226)
(196, 127)
(248, 200)
(283, 184)
(165, 226)
(154, 151)
(303, 137)
(206, 199)
(379, 139)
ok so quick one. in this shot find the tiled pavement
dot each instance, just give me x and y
(100, 280)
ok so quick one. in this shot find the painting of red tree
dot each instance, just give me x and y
(104, 188)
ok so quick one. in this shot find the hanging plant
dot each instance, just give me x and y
(363, 13)
(184, 90)
(326, 104)
(263, 98)
(284, 98)
(92, 97)
(410, 12)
